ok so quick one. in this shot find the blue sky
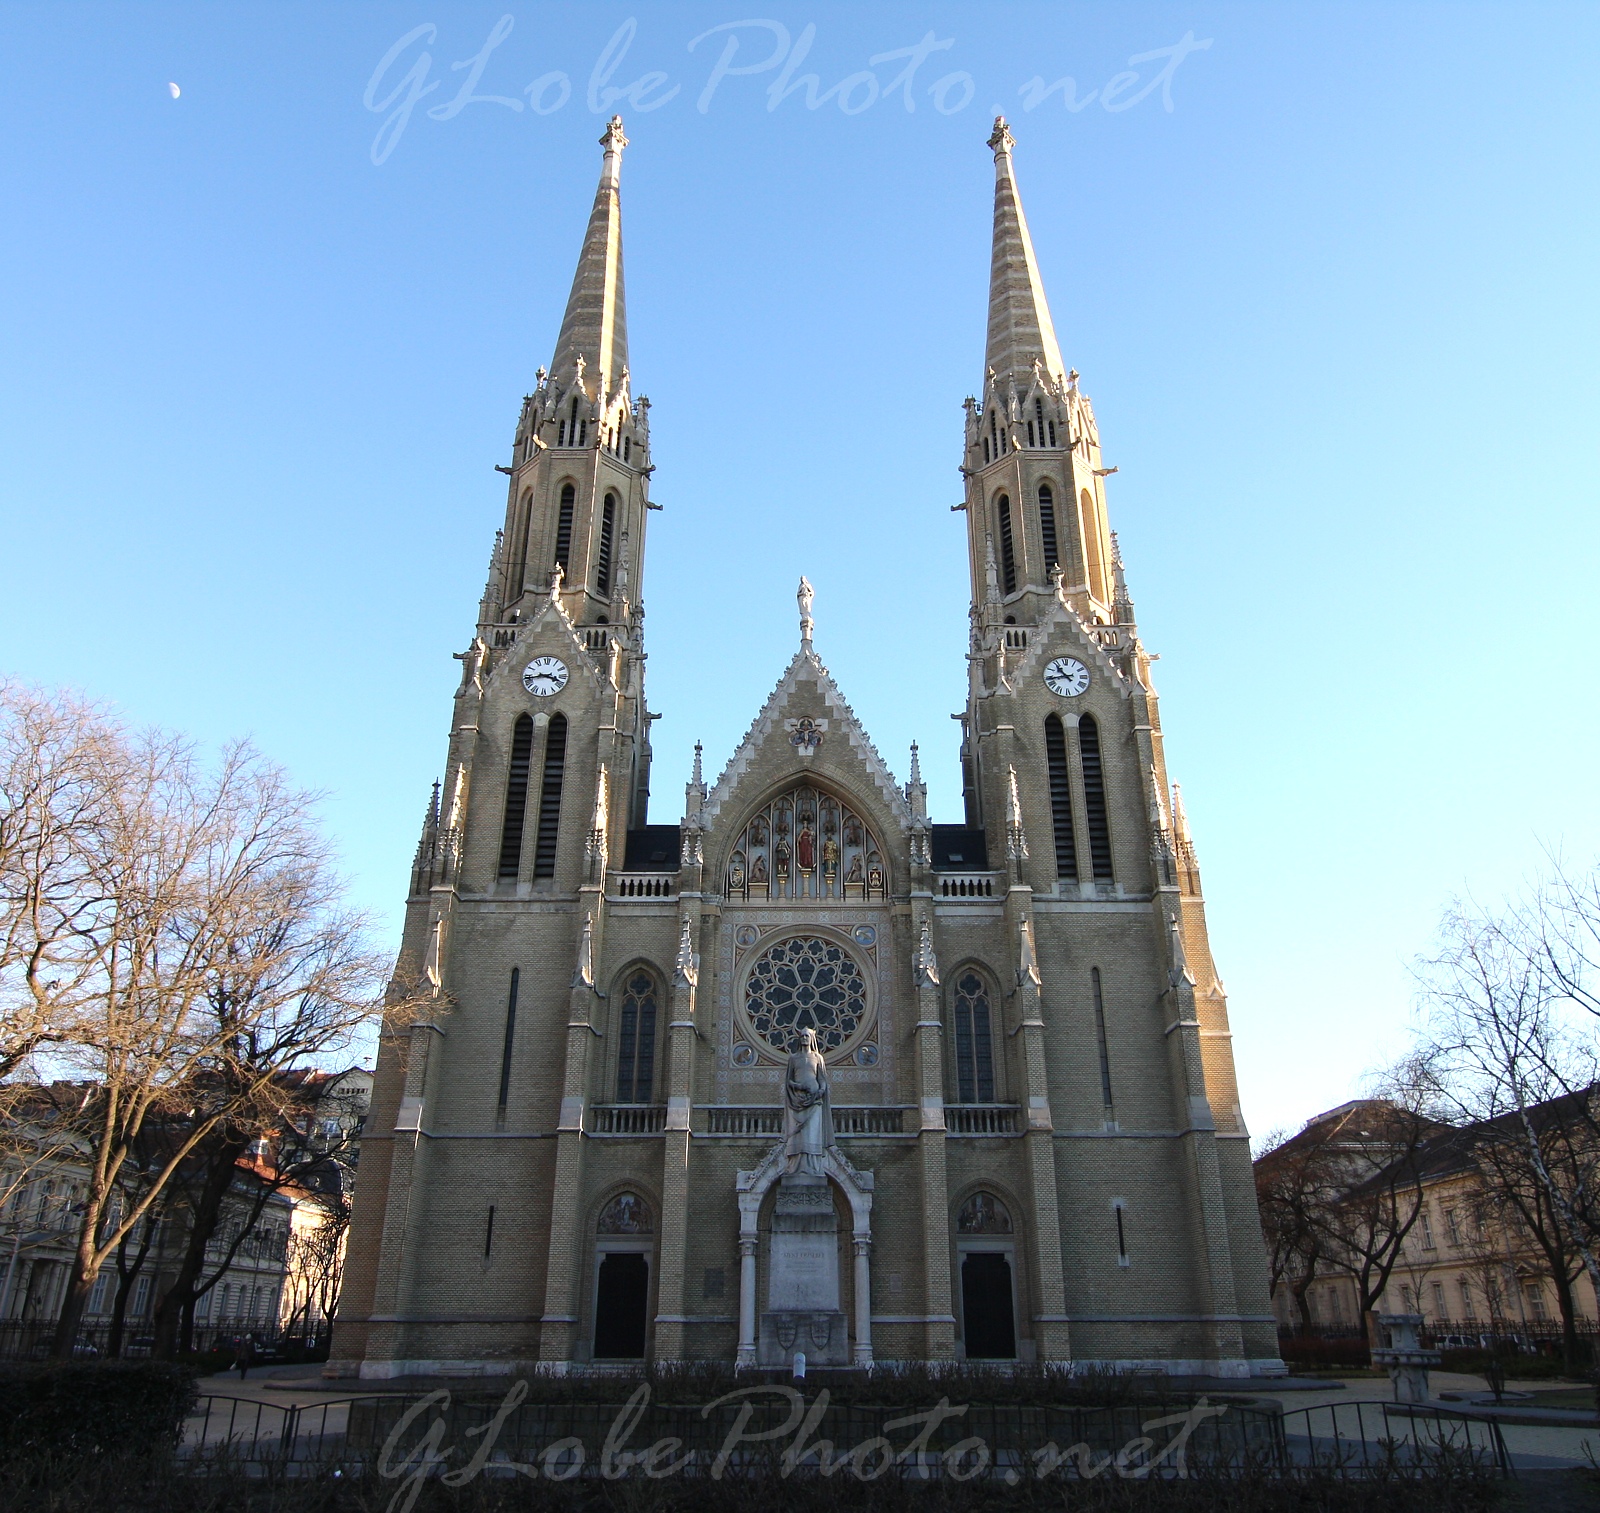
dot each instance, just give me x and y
(1337, 311)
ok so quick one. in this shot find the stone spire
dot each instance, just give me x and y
(593, 344)
(1020, 330)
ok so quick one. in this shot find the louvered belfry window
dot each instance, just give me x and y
(974, 1048)
(1055, 747)
(1008, 556)
(569, 497)
(555, 763)
(1047, 525)
(602, 571)
(516, 797)
(1094, 798)
(636, 1039)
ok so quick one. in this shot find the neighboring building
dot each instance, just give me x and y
(277, 1273)
(1470, 1263)
(1039, 1149)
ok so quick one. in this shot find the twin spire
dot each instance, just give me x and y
(595, 327)
(1020, 330)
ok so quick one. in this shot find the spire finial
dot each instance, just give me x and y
(803, 597)
(697, 779)
(1021, 332)
(595, 326)
(916, 764)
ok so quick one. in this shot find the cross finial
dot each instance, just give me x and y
(612, 138)
(803, 597)
(1001, 140)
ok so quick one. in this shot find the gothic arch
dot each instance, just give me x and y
(762, 862)
(637, 1046)
(965, 1042)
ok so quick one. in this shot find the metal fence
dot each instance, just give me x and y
(33, 1340)
(405, 1435)
(1366, 1438)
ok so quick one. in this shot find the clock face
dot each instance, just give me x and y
(545, 676)
(1066, 676)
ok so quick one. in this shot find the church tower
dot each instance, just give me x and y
(805, 1070)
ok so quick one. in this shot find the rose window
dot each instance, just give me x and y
(805, 982)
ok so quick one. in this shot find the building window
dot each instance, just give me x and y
(1100, 1036)
(1120, 1208)
(555, 763)
(1469, 1309)
(1094, 798)
(1091, 548)
(636, 1039)
(569, 499)
(1438, 1301)
(1047, 526)
(974, 1046)
(516, 797)
(1055, 748)
(511, 1032)
(1452, 1226)
(1427, 1230)
(1038, 410)
(1008, 558)
(602, 571)
(141, 1298)
(1535, 1297)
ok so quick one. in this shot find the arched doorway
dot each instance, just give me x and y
(988, 1292)
(622, 1279)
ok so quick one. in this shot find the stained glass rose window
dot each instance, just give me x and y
(803, 982)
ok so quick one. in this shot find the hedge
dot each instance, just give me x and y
(92, 1408)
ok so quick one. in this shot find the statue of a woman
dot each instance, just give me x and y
(807, 1111)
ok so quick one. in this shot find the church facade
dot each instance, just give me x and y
(806, 1071)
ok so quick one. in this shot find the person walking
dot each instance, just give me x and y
(245, 1356)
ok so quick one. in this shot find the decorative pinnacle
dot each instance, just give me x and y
(803, 597)
(688, 966)
(697, 779)
(916, 765)
(612, 138)
(1180, 817)
(583, 974)
(1001, 140)
(927, 961)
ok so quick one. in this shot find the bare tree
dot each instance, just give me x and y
(217, 950)
(1505, 1043)
(61, 760)
(316, 1261)
(1288, 1186)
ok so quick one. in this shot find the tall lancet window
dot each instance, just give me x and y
(1055, 748)
(1008, 553)
(555, 766)
(569, 499)
(974, 1046)
(1047, 526)
(516, 797)
(636, 1038)
(1094, 798)
(608, 525)
(1091, 548)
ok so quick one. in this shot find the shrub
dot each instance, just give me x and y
(90, 1408)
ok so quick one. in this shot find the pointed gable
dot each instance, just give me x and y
(844, 731)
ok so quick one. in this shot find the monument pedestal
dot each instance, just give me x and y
(803, 1312)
